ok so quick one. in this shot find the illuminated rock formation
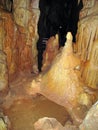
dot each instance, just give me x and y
(62, 84)
(90, 72)
(61, 79)
(87, 44)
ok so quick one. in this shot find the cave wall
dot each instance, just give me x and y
(21, 36)
(87, 42)
(18, 37)
(26, 14)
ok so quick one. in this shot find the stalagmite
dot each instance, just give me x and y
(62, 84)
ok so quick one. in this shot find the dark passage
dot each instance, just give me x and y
(56, 16)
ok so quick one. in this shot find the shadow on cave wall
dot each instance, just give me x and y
(56, 16)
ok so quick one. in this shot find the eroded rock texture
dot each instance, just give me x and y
(26, 17)
(19, 35)
(18, 38)
(87, 43)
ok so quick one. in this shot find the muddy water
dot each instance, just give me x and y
(24, 113)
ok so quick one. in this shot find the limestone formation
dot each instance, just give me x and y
(90, 72)
(62, 84)
(87, 42)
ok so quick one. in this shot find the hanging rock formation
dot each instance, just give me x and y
(87, 42)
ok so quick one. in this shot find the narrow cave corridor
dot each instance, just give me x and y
(49, 64)
(56, 17)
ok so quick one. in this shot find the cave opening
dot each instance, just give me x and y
(56, 17)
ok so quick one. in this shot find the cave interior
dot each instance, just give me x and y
(48, 64)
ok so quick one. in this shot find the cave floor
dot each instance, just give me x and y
(24, 109)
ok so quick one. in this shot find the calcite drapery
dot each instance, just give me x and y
(87, 42)
(90, 72)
